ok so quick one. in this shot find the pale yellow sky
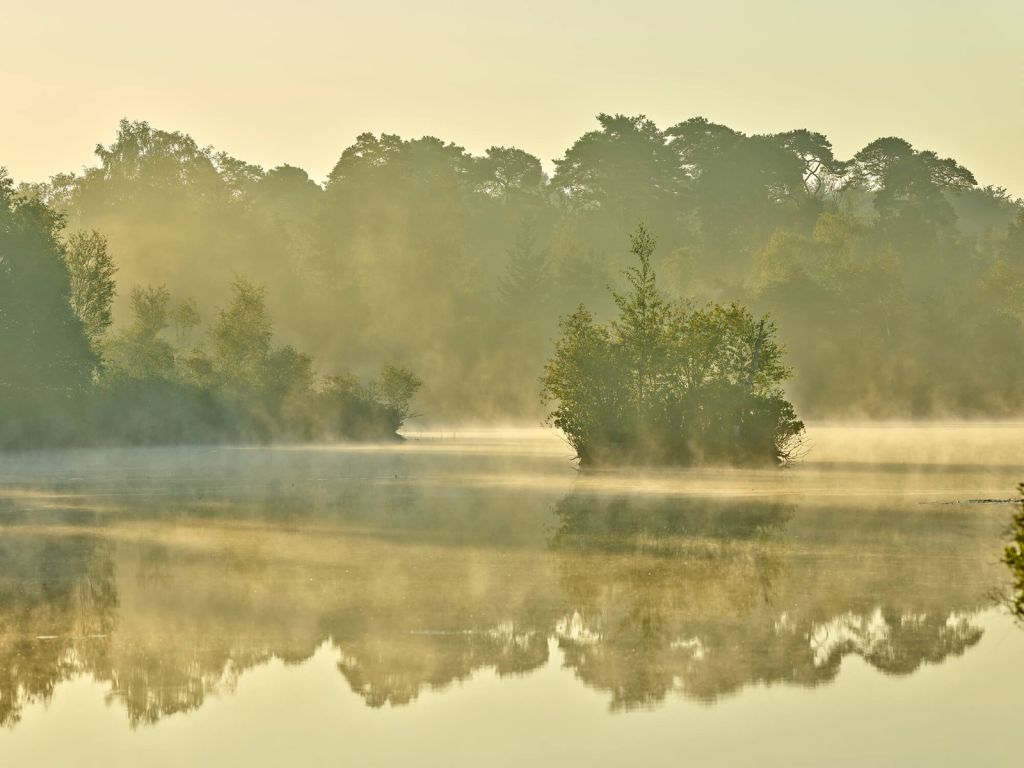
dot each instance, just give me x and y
(276, 82)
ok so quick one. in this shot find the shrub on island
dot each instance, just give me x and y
(668, 382)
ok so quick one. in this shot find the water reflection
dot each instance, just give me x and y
(58, 606)
(169, 597)
(702, 598)
(1013, 557)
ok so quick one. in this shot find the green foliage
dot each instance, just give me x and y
(46, 360)
(240, 388)
(867, 325)
(55, 316)
(395, 388)
(241, 338)
(91, 272)
(641, 330)
(363, 412)
(1013, 557)
(613, 176)
(892, 275)
(669, 383)
(508, 173)
(140, 351)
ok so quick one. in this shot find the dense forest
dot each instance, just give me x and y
(894, 279)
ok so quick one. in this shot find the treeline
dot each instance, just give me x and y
(894, 278)
(67, 378)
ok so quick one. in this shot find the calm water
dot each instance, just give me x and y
(474, 600)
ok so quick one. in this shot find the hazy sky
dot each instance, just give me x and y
(276, 82)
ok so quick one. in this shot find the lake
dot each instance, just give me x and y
(470, 598)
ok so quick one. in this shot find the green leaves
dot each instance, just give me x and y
(665, 383)
(395, 387)
(46, 359)
(1013, 558)
(242, 335)
(91, 272)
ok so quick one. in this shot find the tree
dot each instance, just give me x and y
(669, 384)
(47, 359)
(91, 271)
(395, 387)
(140, 351)
(822, 172)
(697, 141)
(1013, 557)
(623, 171)
(872, 163)
(150, 307)
(743, 193)
(164, 204)
(583, 381)
(910, 186)
(241, 337)
(506, 171)
(641, 329)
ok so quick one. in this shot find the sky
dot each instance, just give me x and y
(295, 82)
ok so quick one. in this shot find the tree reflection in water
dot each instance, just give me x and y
(645, 595)
(58, 608)
(704, 597)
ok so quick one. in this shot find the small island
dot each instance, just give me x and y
(670, 383)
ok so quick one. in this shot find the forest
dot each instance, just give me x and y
(892, 276)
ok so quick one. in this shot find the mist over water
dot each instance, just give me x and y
(160, 591)
(575, 384)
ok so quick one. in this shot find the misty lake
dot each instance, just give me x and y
(470, 598)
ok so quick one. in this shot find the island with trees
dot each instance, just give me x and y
(670, 383)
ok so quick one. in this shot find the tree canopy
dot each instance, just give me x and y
(891, 273)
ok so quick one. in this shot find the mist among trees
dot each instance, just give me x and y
(68, 378)
(893, 278)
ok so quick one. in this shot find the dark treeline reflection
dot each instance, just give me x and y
(892, 275)
(167, 598)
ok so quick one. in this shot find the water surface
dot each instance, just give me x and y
(472, 598)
